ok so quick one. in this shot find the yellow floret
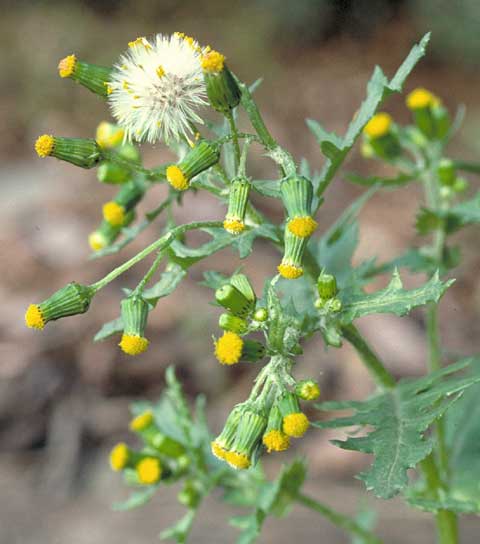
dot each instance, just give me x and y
(276, 440)
(142, 421)
(421, 98)
(133, 344)
(149, 471)
(295, 425)
(176, 178)
(96, 241)
(378, 126)
(213, 61)
(218, 451)
(119, 457)
(66, 66)
(228, 348)
(234, 226)
(237, 460)
(302, 226)
(140, 41)
(108, 135)
(160, 71)
(113, 213)
(34, 318)
(44, 145)
(289, 271)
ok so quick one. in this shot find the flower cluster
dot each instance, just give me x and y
(160, 458)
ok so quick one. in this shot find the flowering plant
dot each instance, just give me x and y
(156, 92)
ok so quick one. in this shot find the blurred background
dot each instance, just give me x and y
(64, 400)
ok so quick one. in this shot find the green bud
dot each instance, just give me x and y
(94, 78)
(129, 195)
(134, 312)
(297, 195)
(107, 233)
(446, 172)
(242, 283)
(319, 303)
(460, 185)
(200, 158)
(82, 152)
(226, 438)
(261, 315)
(307, 390)
(222, 90)
(229, 322)
(288, 404)
(424, 120)
(166, 445)
(291, 266)
(129, 152)
(72, 299)
(109, 172)
(275, 419)
(109, 136)
(441, 121)
(249, 434)
(232, 299)
(189, 496)
(237, 205)
(327, 286)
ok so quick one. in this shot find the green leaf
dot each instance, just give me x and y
(250, 526)
(136, 499)
(447, 502)
(400, 418)
(335, 147)
(179, 531)
(267, 187)
(169, 281)
(394, 299)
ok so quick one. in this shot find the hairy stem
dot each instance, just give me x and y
(339, 520)
(160, 244)
(374, 365)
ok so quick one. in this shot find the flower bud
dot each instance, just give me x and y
(295, 422)
(446, 172)
(115, 211)
(222, 444)
(252, 351)
(297, 195)
(237, 206)
(274, 439)
(380, 136)
(291, 266)
(326, 286)
(428, 113)
(109, 136)
(189, 496)
(120, 457)
(106, 234)
(222, 89)
(201, 157)
(72, 299)
(460, 185)
(93, 77)
(79, 151)
(144, 424)
(229, 322)
(233, 300)
(134, 312)
(261, 315)
(307, 390)
(247, 439)
(112, 173)
(242, 283)
(149, 470)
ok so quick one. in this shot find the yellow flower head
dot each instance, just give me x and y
(44, 145)
(295, 425)
(276, 440)
(289, 271)
(302, 226)
(66, 66)
(176, 178)
(142, 41)
(212, 61)
(237, 460)
(113, 213)
(142, 421)
(96, 241)
(378, 126)
(119, 457)
(108, 135)
(218, 451)
(228, 348)
(149, 471)
(421, 98)
(133, 344)
(234, 226)
(34, 318)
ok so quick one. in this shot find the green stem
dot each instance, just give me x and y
(466, 166)
(160, 244)
(379, 373)
(234, 134)
(339, 520)
(151, 271)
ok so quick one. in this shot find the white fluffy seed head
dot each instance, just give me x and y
(156, 87)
